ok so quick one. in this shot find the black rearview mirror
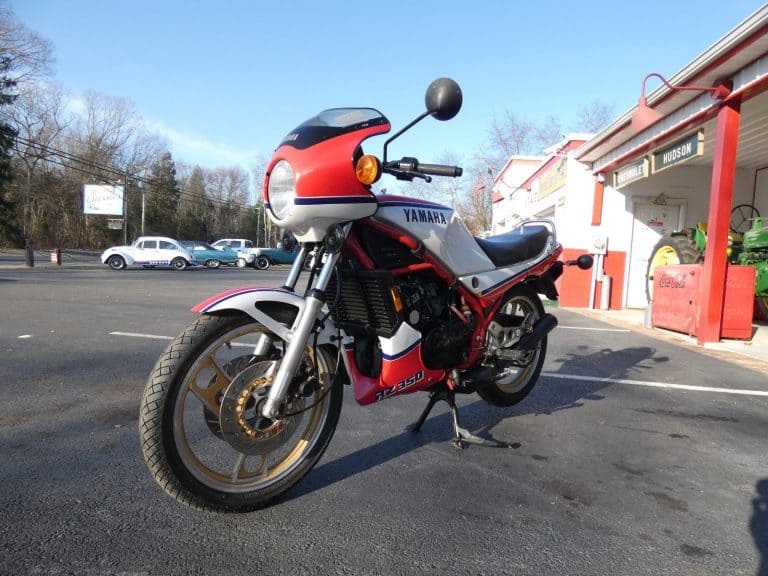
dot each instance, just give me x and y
(443, 99)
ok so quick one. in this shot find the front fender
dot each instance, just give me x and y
(265, 304)
(112, 252)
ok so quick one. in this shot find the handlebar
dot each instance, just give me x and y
(409, 168)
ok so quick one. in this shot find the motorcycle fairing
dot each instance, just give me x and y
(402, 369)
(327, 189)
(247, 300)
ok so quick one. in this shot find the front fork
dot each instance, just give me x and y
(298, 336)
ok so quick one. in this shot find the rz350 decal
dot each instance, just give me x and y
(400, 386)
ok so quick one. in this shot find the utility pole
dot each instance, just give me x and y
(125, 209)
(143, 207)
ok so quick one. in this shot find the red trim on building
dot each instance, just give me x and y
(718, 223)
(574, 285)
(597, 203)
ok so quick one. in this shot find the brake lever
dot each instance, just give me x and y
(407, 175)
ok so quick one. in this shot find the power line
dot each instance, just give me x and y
(50, 151)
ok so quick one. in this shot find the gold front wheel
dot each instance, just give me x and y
(202, 434)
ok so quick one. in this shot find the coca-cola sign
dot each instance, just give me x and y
(671, 280)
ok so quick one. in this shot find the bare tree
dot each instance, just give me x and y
(39, 119)
(594, 116)
(28, 55)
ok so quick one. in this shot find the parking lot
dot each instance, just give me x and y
(633, 455)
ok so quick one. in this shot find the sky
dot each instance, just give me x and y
(224, 80)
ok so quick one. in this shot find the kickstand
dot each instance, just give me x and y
(460, 435)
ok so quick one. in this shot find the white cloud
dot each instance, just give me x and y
(194, 149)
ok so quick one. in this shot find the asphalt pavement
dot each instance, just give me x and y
(633, 455)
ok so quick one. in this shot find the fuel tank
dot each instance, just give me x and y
(439, 229)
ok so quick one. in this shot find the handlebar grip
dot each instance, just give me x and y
(440, 170)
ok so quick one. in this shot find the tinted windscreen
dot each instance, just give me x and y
(331, 123)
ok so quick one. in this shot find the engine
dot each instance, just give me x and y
(427, 308)
(374, 303)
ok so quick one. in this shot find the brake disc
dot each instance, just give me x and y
(240, 420)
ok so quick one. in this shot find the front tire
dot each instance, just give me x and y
(116, 262)
(514, 380)
(241, 263)
(261, 263)
(230, 464)
(678, 249)
(212, 263)
(762, 306)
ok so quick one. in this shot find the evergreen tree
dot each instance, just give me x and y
(9, 232)
(194, 208)
(163, 198)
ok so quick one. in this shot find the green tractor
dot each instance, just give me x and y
(747, 245)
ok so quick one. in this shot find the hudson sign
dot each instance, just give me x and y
(679, 152)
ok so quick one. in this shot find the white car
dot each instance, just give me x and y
(150, 252)
(243, 247)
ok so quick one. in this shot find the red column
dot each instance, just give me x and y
(712, 286)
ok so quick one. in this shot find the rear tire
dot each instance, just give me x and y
(241, 263)
(179, 264)
(515, 380)
(210, 462)
(212, 263)
(670, 250)
(261, 263)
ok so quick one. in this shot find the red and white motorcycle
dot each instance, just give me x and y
(400, 298)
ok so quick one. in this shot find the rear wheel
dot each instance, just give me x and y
(179, 264)
(212, 263)
(201, 431)
(668, 251)
(241, 263)
(262, 263)
(515, 378)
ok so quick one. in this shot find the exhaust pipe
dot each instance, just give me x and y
(544, 326)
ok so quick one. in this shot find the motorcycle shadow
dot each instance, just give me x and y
(549, 396)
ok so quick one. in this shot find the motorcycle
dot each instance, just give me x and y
(399, 298)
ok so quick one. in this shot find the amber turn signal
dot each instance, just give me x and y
(368, 169)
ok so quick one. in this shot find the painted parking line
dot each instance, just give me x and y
(668, 385)
(159, 337)
(137, 335)
(561, 327)
(623, 381)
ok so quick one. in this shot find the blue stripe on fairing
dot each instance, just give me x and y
(240, 293)
(335, 200)
(350, 346)
(401, 354)
(401, 203)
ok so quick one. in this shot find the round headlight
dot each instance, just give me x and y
(281, 190)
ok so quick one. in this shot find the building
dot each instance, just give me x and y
(691, 151)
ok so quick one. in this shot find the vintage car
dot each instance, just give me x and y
(242, 246)
(265, 257)
(149, 252)
(209, 256)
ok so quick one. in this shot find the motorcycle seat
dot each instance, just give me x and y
(516, 245)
